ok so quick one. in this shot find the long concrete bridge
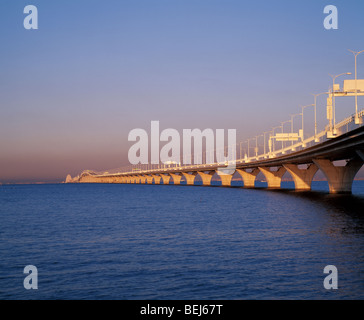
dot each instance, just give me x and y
(302, 160)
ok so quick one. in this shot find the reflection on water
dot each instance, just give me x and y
(344, 209)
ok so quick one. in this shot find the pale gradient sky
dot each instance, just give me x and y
(71, 91)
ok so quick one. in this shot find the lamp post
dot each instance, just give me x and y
(356, 53)
(264, 133)
(315, 105)
(292, 117)
(282, 123)
(333, 93)
(303, 108)
(273, 136)
(256, 145)
(249, 147)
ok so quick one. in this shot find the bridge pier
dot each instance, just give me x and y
(302, 177)
(206, 177)
(248, 177)
(157, 179)
(273, 178)
(225, 178)
(190, 178)
(149, 179)
(340, 179)
(165, 178)
(176, 178)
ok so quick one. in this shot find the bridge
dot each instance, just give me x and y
(302, 160)
(337, 151)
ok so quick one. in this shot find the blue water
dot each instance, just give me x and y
(95, 241)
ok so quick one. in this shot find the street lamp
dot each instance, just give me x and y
(282, 123)
(256, 145)
(356, 86)
(241, 156)
(303, 108)
(333, 93)
(315, 105)
(249, 147)
(264, 133)
(273, 136)
(292, 117)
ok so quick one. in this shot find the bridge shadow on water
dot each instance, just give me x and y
(344, 207)
(349, 206)
(344, 204)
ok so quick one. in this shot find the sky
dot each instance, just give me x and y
(72, 90)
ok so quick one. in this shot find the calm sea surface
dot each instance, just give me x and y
(99, 241)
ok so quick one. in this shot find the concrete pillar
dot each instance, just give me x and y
(225, 178)
(157, 179)
(176, 178)
(302, 177)
(165, 178)
(273, 178)
(149, 179)
(190, 178)
(340, 179)
(206, 177)
(248, 177)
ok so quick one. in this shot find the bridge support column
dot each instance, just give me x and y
(225, 178)
(273, 178)
(190, 178)
(340, 179)
(206, 177)
(142, 179)
(302, 177)
(176, 178)
(157, 179)
(149, 179)
(165, 178)
(248, 177)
